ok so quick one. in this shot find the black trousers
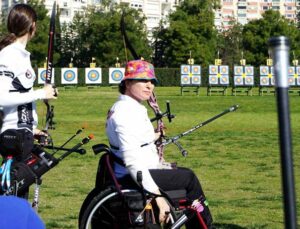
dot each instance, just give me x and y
(178, 179)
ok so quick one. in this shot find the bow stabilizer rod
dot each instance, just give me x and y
(175, 138)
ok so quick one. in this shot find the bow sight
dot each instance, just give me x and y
(167, 114)
(174, 140)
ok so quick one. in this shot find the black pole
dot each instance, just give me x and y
(279, 47)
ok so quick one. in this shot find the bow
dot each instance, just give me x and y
(152, 102)
(50, 109)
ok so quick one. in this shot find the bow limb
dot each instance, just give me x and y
(152, 100)
(49, 68)
(125, 38)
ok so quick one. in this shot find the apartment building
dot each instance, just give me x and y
(243, 11)
(154, 10)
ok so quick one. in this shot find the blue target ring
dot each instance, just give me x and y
(117, 75)
(69, 75)
(43, 75)
(93, 75)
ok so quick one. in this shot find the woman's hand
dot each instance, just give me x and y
(51, 92)
(164, 210)
(40, 136)
(159, 134)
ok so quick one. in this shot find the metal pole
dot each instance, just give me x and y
(279, 47)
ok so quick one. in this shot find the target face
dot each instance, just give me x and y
(196, 80)
(185, 69)
(213, 80)
(213, 69)
(224, 70)
(249, 70)
(93, 76)
(42, 76)
(291, 70)
(69, 76)
(272, 81)
(238, 80)
(264, 81)
(224, 80)
(264, 70)
(298, 70)
(196, 69)
(238, 70)
(185, 80)
(291, 81)
(298, 81)
(116, 75)
(249, 81)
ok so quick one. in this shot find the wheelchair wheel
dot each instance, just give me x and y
(107, 210)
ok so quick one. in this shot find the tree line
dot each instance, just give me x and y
(189, 29)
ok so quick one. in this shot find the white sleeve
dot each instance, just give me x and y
(15, 98)
(134, 164)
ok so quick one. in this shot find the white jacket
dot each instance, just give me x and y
(16, 93)
(128, 128)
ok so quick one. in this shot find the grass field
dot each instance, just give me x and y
(236, 157)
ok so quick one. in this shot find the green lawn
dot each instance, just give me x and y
(236, 157)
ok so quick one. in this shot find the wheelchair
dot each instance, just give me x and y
(114, 205)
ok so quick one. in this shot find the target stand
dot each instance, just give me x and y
(294, 78)
(218, 81)
(190, 78)
(267, 79)
(243, 79)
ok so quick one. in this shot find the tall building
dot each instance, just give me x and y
(243, 11)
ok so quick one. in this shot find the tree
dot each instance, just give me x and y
(38, 46)
(97, 34)
(191, 29)
(230, 44)
(257, 33)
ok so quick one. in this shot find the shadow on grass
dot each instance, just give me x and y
(227, 226)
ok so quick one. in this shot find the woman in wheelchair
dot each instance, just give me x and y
(132, 139)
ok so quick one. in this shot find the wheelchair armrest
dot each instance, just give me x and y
(101, 148)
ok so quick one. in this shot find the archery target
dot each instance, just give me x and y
(224, 80)
(42, 76)
(238, 70)
(196, 69)
(264, 70)
(185, 80)
(291, 70)
(213, 80)
(213, 69)
(298, 70)
(185, 69)
(272, 79)
(291, 81)
(238, 80)
(249, 80)
(249, 70)
(69, 76)
(116, 75)
(272, 70)
(298, 81)
(264, 81)
(196, 80)
(224, 69)
(93, 76)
